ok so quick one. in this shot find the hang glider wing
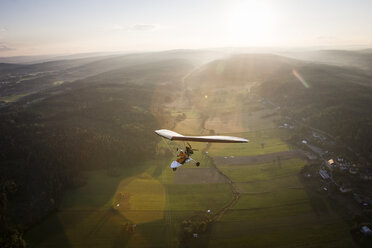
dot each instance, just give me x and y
(168, 134)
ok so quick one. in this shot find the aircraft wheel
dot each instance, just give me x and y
(197, 164)
(174, 169)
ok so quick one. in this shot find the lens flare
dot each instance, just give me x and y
(300, 78)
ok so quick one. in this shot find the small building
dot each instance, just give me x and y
(331, 164)
(366, 230)
(324, 174)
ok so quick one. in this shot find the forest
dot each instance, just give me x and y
(45, 146)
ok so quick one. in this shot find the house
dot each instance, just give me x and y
(331, 164)
(366, 230)
(324, 174)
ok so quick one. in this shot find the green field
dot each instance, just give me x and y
(89, 216)
(260, 142)
(266, 171)
(275, 210)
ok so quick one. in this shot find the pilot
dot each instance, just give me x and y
(181, 157)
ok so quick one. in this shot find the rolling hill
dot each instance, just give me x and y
(61, 119)
(335, 99)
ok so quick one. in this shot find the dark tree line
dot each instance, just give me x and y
(336, 102)
(45, 147)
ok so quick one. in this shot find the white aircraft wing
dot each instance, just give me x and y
(168, 134)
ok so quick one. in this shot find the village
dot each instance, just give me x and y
(335, 171)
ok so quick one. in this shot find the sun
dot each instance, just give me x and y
(250, 23)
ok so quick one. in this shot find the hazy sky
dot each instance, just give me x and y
(29, 27)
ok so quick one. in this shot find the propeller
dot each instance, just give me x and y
(191, 147)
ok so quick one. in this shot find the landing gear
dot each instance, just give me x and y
(174, 169)
(197, 164)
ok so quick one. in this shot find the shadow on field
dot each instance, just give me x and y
(317, 201)
(40, 235)
(201, 241)
(159, 169)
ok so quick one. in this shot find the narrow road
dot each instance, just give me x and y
(236, 195)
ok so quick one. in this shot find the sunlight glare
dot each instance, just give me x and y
(250, 23)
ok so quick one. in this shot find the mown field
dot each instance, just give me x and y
(260, 142)
(275, 210)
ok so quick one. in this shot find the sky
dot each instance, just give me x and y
(37, 27)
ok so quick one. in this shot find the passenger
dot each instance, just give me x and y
(181, 157)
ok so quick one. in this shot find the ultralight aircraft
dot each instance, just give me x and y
(185, 156)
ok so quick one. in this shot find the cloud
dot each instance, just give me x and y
(4, 48)
(3, 29)
(142, 27)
